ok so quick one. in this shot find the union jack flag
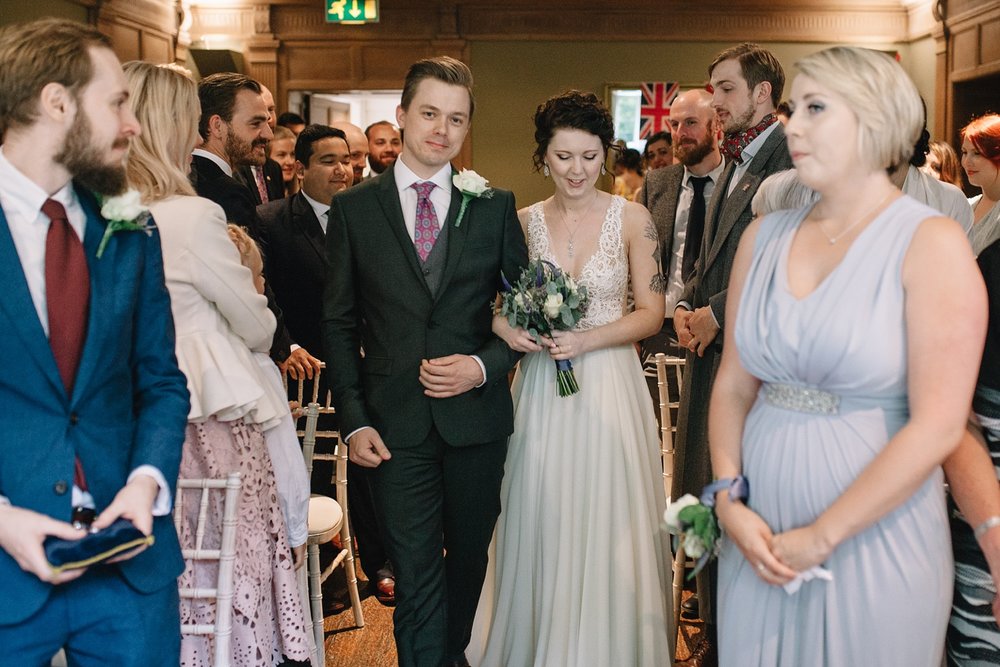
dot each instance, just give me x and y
(654, 113)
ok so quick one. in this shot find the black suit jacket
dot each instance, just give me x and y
(234, 197)
(295, 263)
(274, 181)
(212, 183)
(376, 297)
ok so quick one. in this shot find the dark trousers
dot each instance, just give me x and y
(435, 499)
(100, 620)
(365, 526)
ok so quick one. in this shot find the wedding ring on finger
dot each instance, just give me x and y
(761, 568)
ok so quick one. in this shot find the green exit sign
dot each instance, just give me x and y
(352, 11)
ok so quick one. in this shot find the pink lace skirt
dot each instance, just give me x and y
(268, 619)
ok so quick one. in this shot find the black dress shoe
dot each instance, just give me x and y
(460, 661)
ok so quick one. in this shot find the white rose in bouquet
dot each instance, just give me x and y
(552, 304)
(675, 507)
(693, 545)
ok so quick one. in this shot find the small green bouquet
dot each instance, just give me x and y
(542, 300)
(695, 525)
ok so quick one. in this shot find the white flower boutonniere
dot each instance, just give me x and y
(471, 185)
(124, 213)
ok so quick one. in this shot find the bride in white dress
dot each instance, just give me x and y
(581, 566)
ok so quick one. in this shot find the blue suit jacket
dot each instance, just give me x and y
(129, 403)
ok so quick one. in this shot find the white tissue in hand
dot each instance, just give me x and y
(815, 572)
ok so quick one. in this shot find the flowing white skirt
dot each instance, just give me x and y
(579, 568)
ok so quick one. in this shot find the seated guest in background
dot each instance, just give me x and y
(89, 380)
(658, 153)
(283, 152)
(780, 192)
(972, 471)
(942, 163)
(832, 399)
(384, 145)
(220, 321)
(927, 189)
(628, 173)
(292, 121)
(981, 161)
(358, 143)
(264, 180)
(234, 130)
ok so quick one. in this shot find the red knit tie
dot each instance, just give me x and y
(67, 295)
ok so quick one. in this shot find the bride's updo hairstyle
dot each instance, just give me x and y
(883, 98)
(572, 110)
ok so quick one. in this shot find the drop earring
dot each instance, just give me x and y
(545, 170)
(604, 170)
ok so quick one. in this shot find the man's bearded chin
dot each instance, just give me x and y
(691, 153)
(86, 162)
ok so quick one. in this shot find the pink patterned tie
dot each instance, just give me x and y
(258, 175)
(426, 227)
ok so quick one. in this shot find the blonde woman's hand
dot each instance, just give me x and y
(802, 548)
(752, 536)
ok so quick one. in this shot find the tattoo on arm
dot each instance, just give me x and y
(658, 283)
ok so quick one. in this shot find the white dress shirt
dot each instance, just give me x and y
(22, 199)
(440, 196)
(321, 210)
(675, 285)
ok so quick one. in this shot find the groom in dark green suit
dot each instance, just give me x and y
(412, 282)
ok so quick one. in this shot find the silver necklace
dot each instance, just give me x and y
(570, 247)
(867, 216)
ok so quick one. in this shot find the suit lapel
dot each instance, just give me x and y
(304, 217)
(20, 309)
(734, 205)
(102, 279)
(456, 235)
(388, 198)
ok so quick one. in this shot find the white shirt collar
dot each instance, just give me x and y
(405, 177)
(21, 195)
(223, 165)
(715, 174)
(319, 208)
(751, 149)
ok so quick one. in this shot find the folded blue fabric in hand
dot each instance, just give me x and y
(119, 537)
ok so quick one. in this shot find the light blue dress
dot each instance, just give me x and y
(890, 598)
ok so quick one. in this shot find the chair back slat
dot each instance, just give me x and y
(225, 556)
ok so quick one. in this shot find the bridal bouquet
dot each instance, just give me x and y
(545, 299)
(695, 526)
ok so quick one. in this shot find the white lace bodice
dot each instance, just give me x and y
(605, 275)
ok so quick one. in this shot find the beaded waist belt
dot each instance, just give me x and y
(819, 402)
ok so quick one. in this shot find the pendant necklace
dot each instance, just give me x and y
(867, 216)
(572, 233)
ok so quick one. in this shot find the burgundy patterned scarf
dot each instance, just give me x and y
(733, 144)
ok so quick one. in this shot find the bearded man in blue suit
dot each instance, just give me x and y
(92, 403)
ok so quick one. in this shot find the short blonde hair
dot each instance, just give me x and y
(881, 95)
(782, 191)
(166, 103)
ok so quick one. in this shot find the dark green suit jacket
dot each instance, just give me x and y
(376, 299)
